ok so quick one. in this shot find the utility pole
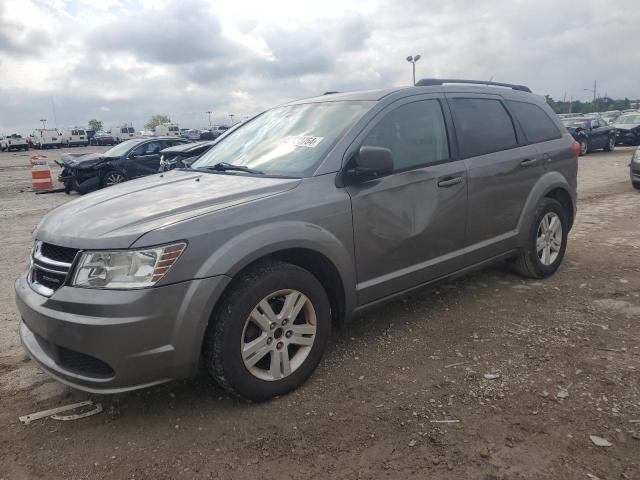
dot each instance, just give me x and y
(231, 115)
(209, 113)
(412, 60)
(594, 90)
(570, 103)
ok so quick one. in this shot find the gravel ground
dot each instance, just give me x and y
(565, 354)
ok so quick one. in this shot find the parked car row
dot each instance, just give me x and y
(13, 142)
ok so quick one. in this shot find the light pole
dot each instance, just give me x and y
(44, 123)
(592, 90)
(209, 113)
(231, 115)
(412, 60)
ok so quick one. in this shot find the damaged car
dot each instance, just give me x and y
(85, 172)
(628, 129)
(182, 156)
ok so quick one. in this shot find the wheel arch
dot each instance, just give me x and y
(551, 185)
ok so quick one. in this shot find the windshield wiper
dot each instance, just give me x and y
(224, 166)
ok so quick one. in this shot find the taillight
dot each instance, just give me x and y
(576, 149)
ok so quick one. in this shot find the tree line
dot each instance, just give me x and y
(95, 124)
(601, 104)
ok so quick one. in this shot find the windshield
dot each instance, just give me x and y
(576, 123)
(629, 119)
(121, 148)
(289, 140)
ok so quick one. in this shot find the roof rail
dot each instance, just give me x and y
(428, 82)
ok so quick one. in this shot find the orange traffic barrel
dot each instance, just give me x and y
(35, 158)
(41, 175)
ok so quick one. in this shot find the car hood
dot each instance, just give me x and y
(116, 216)
(80, 159)
(625, 126)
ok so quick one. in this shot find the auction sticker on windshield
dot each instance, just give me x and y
(303, 141)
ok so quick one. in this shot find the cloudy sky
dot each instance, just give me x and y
(122, 60)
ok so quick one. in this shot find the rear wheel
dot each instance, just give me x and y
(611, 144)
(636, 185)
(269, 333)
(112, 177)
(546, 241)
(584, 147)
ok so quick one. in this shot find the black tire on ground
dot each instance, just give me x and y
(636, 185)
(224, 335)
(528, 263)
(611, 144)
(584, 147)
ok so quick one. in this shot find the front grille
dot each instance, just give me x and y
(59, 254)
(50, 266)
(50, 280)
(83, 364)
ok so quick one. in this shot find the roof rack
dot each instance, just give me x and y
(428, 82)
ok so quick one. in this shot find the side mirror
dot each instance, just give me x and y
(371, 162)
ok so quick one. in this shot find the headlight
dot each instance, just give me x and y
(126, 269)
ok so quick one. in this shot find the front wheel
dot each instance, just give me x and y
(112, 177)
(611, 144)
(584, 147)
(269, 333)
(546, 241)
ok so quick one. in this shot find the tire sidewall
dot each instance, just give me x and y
(547, 205)
(229, 330)
(103, 181)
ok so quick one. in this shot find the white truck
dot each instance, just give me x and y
(13, 142)
(46, 138)
(76, 136)
(167, 130)
(122, 133)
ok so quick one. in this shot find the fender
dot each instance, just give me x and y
(548, 182)
(266, 239)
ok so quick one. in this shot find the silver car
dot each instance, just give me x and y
(306, 215)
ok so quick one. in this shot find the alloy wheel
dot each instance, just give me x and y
(583, 147)
(278, 335)
(549, 238)
(113, 178)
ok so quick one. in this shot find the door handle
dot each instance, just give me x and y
(528, 162)
(449, 182)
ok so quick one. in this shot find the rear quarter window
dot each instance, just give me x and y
(535, 122)
(483, 126)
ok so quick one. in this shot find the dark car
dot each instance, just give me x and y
(84, 172)
(628, 129)
(183, 155)
(102, 138)
(592, 133)
(635, 169)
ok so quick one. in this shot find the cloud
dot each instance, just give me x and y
(125, 61)
(182, 32)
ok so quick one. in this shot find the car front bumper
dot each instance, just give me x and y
(627, 137)
(110, 341)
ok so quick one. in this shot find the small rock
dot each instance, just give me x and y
(491, 376)
(412, 443)
(635, 435)
(484, 452)
(562, 393)
(361, 377)
(599, 441)
(435, 461)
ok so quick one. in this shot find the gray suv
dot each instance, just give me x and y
(306, 215)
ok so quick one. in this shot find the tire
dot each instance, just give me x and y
(529, 262)
(636, 185)
(611, 144)
(231, 328)
(109, 178)
(584, 147)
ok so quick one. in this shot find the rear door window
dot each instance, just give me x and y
(537, 125)
(483, 126)
(415, 133)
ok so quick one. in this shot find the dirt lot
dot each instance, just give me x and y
(567, 352)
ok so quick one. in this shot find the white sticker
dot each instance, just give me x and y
(303, 141)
